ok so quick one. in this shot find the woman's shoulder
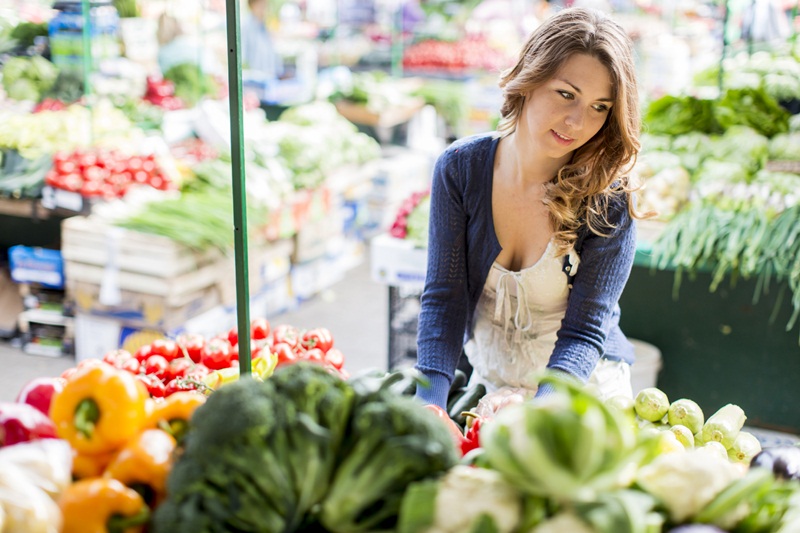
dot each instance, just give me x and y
(474, 147)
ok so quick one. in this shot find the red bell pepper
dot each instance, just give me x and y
(472, 438)
(20, 422)
(39, 392)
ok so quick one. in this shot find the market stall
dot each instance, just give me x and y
(192, 407)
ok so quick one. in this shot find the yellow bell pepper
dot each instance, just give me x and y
(100, 409)
(144, 464)
(99, 505)
(173, 413)
(89, 465)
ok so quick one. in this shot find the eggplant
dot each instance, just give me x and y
(784, 461)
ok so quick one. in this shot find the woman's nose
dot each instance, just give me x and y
(575, 119)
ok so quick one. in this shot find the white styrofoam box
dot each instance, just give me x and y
(397, 262)
(399, 173)
(279, 298)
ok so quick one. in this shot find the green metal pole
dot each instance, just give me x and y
(725, 44)
(87, 46)
(397, 43)
(239, 192)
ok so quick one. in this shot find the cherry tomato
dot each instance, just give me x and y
(318, 338)
(178, 368)
(156, 365)
(181, 384)
(285, 353)
(143, 353)
(216, 354)
(166, 348)
(314, 355)
(259, 329)
(335, 358)
(116, 357)
(155, 387)
(233, 336)
(197, 372)
(288, 334)
(191, 344)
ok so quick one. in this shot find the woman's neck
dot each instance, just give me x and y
(530, 164)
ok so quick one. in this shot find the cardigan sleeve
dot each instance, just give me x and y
(604, 269)
(444, 301)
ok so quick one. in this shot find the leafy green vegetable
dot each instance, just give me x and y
(199, 220)
(28, 78)
(191, 83)
(392, 442)
(301, 447)
(26, 32)
(677, 115)
(785, 146)
(754, 108)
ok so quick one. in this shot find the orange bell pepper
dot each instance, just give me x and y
(89, 465)
(98, 505)
(173, 413)
(144, 464)
(100, 409)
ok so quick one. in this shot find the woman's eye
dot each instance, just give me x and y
(601, 108)
(566, 95)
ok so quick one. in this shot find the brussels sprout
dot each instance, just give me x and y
(651, 404)
(686, 413)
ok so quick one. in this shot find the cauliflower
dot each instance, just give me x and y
(462, 499)
(687, 482)
(563, 523)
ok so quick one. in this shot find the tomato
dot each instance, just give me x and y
(143, 353)
(155, 387)
(117, 357)
(233, 336)
(314, 355)
(285, 353)
(156, 365)
(197, 372)
(178, 368)
(259, 329)
(180, 385)
(335, 358)
(216, 354)
(66, 166)
(288, 334)
(166, 348)
(318, 338)
(131, 365)
(191, 344)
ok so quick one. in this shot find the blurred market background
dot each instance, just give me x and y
(115, 179)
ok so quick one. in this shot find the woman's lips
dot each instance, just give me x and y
(562, 139)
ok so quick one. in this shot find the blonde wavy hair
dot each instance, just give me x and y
(581, 191)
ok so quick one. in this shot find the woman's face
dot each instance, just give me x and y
(565, 112)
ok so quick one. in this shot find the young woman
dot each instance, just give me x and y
(531, 227)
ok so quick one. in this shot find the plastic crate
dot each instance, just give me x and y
(403, 317)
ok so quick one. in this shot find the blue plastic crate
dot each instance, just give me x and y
(36, 265)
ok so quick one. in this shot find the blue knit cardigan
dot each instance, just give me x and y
(461, 249)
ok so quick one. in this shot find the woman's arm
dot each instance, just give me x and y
(444, 300)
(605, 265)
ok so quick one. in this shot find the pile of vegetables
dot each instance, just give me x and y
(458, 57)
(48, 132)
(314, 140)
(21, 177)
(411, 221)
(107, 174)
(28, 78)
(191, 84)
(375, 90)
(570, 463)
(302, 451)
(728, 211)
